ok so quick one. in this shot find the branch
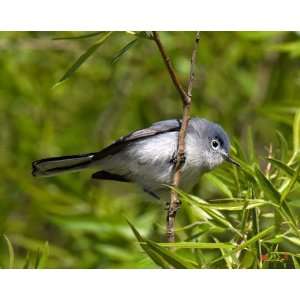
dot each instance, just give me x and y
(186, 101)
(170, 68)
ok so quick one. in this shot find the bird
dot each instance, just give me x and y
(147, 156)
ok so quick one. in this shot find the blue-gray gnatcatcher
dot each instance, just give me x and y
(148, 156)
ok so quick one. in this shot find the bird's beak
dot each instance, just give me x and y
(229, 159)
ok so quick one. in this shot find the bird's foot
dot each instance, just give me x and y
(174, 208)
(182, 159)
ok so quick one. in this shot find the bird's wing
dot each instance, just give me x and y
(155, 129)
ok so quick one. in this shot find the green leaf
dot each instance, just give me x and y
(10, 252)
(124, 50)
(152, 254)
(288, 170)
(217, 217)
(161, 256)
(296, 262)
(197, 245)
(283, 145)
(247, 259)
(78, 37)
(255, 238)
(296, 131)
(246, 244)
(275, 196)
(235, 204)
(267, 186)
(142, 34)
(250, 144)
(292, 48)
(173, 259)
(41, 256)
(289, 187)
(219, 184)
(83, 58)
(295, 202)
(292, 239)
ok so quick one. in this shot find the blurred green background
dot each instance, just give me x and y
(243, 79)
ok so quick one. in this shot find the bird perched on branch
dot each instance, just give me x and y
(148, 156)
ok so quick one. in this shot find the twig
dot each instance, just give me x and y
(170, 68)
(186, 98)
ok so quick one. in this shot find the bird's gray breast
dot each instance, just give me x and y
(148, 161)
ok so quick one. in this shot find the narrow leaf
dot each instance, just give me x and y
(250, 144)
(173, 259)
(246, 244)
(289, 187)
(267, 186)
(219, 184)
(10, 252)
(296, 132)
(288, 170)
(196, 245)
(292, 239)
(42, 255)
(123, 51)
(283, 145)
(78, 37)
(296, 263)
(255, 238)
(83, 58)
(157, 259)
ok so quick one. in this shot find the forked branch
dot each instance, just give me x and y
(186, 97)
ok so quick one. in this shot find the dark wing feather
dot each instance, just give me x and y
(109, 176)
(156, 128)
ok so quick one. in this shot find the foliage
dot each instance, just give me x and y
(234, 218)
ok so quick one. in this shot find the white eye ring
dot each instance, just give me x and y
(215, 144)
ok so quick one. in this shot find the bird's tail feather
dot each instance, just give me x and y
(55, 165)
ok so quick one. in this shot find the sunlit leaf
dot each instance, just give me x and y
(288, 170)
(197, 245)
(289, 187)
(256, 237)
(10, 252)
(296, 262)
(292, 48)
(292, 239)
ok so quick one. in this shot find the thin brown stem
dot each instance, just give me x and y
(186, 98)
(169, 66)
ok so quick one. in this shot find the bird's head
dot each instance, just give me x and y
(214, 143)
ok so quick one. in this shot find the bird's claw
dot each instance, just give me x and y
(174, 158)
(174, 208)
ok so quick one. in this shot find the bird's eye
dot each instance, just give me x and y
(215, 144)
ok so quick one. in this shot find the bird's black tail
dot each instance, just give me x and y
(55, 165)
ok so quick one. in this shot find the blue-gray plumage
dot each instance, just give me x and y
(146, 156)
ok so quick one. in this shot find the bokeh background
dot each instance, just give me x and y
(243, 80)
